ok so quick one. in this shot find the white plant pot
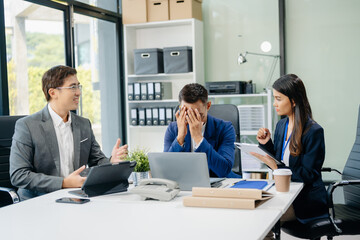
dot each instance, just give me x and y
(137, 176)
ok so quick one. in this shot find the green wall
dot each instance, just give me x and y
(322, 48)
(322, 45)
(235, 26)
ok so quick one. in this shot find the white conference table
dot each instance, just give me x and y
(125, 216)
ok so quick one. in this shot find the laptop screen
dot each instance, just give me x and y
(187, 169)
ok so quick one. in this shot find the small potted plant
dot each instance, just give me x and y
(142, 167)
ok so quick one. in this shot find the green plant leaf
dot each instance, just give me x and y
(141, 158)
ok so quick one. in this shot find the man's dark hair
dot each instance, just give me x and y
(193, 92)
(54, 77)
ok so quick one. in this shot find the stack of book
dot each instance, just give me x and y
(226, 198)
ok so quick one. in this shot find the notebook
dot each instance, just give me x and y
(188, 169)
(106, 179)
(250, 184)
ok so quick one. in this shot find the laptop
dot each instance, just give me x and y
(106, 179)
(188, 169)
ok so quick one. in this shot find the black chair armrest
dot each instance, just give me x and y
(8, 196)
(327, 169)
(330, 191)
(334, 185)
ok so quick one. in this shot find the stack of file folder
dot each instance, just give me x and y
(149, 91)
(151, 116)
(237, 198)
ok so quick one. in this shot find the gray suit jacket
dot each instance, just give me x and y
(35, 158)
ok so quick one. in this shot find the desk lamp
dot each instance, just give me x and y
(242, 59)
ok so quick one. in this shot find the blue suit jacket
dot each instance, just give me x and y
(218, 144)
(305, 168)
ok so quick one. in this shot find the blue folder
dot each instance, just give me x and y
(250, 184)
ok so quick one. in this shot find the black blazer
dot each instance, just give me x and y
(306, 168)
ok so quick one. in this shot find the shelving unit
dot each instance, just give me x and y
(267, 96)
(185, 32)
(161, 77)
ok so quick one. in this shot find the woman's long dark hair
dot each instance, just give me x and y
(292, 86)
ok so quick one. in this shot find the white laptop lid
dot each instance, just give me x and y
(188, 169)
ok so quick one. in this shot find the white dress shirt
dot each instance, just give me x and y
(286, 155)
(193, 144)
(65, 141)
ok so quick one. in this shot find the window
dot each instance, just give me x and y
(110, 5)
(34, 43)
(39, 36)
(96, 48)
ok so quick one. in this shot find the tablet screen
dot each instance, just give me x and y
(248, 148)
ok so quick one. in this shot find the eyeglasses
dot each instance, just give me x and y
(72, 88)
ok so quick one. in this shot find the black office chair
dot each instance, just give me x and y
(8, 193)
(229, 112)
(344, 218)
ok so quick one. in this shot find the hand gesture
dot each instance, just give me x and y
(263, 135)
(181, 124)
(195, 124)
(118, 153)
(74, 180)
(266, 159)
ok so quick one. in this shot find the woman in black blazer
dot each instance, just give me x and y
(299, 144)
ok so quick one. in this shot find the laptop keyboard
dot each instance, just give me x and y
(216, 184)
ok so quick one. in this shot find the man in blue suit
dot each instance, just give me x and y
(196, 131)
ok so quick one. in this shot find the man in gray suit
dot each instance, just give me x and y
(50, 148)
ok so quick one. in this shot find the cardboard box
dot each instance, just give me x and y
(134, 11)
(182, 9)
(157, 10)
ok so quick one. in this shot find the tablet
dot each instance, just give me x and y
(105, 179)
(248, 148)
